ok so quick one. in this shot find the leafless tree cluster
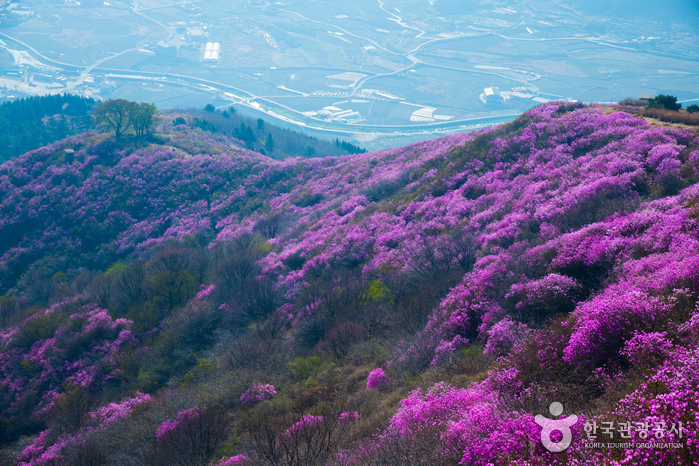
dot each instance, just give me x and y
(192, 443)
(297, 439)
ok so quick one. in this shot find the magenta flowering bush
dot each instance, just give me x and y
(689, 330)
(47, 451)
(82, 348)
(606, 322)
(377, 379)
(537, 300)
(503, 336)
(348, 416)
(647, 349)
(236, 460)
(458, 426)
(183, 419)
(115, 411)
(306, 424)
(446, 349)
(50, 447)
(193, 437)
(665, 399)
(257, 393)
(205, 292)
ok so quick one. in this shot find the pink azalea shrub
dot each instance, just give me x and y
(503, 336)
(49, 447)
(348, 416)
(377, 379)
(689, 330)
(115, 411)
(236, 460)
(647, 348)
(257, 393)
(34, 371)
(308, 422)
(604, 323)
(446, 349)
(539, 299)
(193, 437)
(183, 418)
(205, 292)
(464, 426)
(665, 399)
(47, 452)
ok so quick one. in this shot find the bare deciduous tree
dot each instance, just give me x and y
(297, 439)
(193, 443)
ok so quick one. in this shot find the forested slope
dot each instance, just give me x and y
(27, 124)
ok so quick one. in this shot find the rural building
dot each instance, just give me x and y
(491, 95)
(491, 92)
(196, 34)
(212, 51)
(165, 49)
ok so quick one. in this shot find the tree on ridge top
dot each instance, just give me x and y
(114, 114)
(142, 117)
(120, 115)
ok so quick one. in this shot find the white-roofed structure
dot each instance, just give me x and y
(212, 51)
(492, 95)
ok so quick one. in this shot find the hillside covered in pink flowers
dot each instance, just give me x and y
(191, 302)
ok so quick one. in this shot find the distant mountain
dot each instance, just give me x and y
(419, 304)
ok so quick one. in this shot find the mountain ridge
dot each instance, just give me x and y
(485, 274)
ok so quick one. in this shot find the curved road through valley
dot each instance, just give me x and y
(247, 98)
